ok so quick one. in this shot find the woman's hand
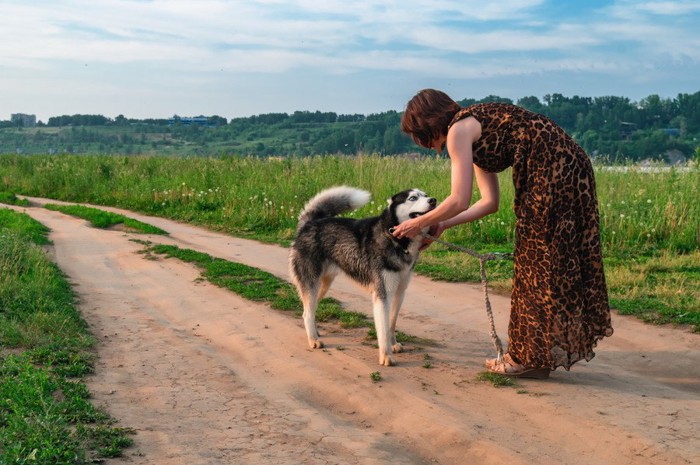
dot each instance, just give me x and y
(409, 228)
(436, 231)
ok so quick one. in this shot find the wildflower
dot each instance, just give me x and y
(648, 200)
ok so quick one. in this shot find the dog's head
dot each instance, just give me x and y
(410, 203)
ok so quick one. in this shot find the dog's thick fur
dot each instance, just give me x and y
(363, 249)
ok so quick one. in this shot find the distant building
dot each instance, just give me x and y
(21, 119)
(187, 120)
(626, 129)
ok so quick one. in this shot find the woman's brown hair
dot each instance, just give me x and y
(427, 116)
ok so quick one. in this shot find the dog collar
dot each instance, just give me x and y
(396, 241)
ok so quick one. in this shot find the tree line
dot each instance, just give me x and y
(612, 127)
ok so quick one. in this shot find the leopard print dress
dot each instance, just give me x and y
(559, 302)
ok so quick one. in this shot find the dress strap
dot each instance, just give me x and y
(460, 115)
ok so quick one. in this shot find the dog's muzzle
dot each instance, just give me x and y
(432, 203)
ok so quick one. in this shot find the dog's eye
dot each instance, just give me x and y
(413, 198)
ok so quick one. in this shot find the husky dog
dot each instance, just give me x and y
(363, 249)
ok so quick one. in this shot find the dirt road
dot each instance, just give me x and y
(206, 377)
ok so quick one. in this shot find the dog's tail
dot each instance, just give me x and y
(332, 202)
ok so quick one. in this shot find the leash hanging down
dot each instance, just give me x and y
(483, 258)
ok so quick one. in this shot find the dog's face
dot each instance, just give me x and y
(409, 204)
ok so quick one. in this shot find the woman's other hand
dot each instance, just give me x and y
(435, 231)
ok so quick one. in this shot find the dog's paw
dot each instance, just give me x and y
(315, 344)
(396, 348)
(386, 360)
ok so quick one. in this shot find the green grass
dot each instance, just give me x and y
(646, 217)
(657, 288)
(11, 199)
(45, 352)
(496, 380)
(23, 227)
(104, 219)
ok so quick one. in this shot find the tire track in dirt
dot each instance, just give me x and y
(207, 377)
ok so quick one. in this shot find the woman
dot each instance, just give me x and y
(559, 302)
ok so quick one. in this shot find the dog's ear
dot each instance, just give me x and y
(400, 197)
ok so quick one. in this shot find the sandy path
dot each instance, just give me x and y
(207, 377)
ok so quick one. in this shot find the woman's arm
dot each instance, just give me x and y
(487, 204)
(459, 146)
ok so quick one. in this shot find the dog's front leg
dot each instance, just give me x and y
(382, 326)
(396, 303)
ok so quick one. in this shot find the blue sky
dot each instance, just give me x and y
(156, 58)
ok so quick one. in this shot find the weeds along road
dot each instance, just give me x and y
(206, 377)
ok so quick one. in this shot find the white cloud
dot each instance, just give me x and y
(113, 44)
(215, 33)
(669, 8)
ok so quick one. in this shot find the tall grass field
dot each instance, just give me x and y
(650, 219)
